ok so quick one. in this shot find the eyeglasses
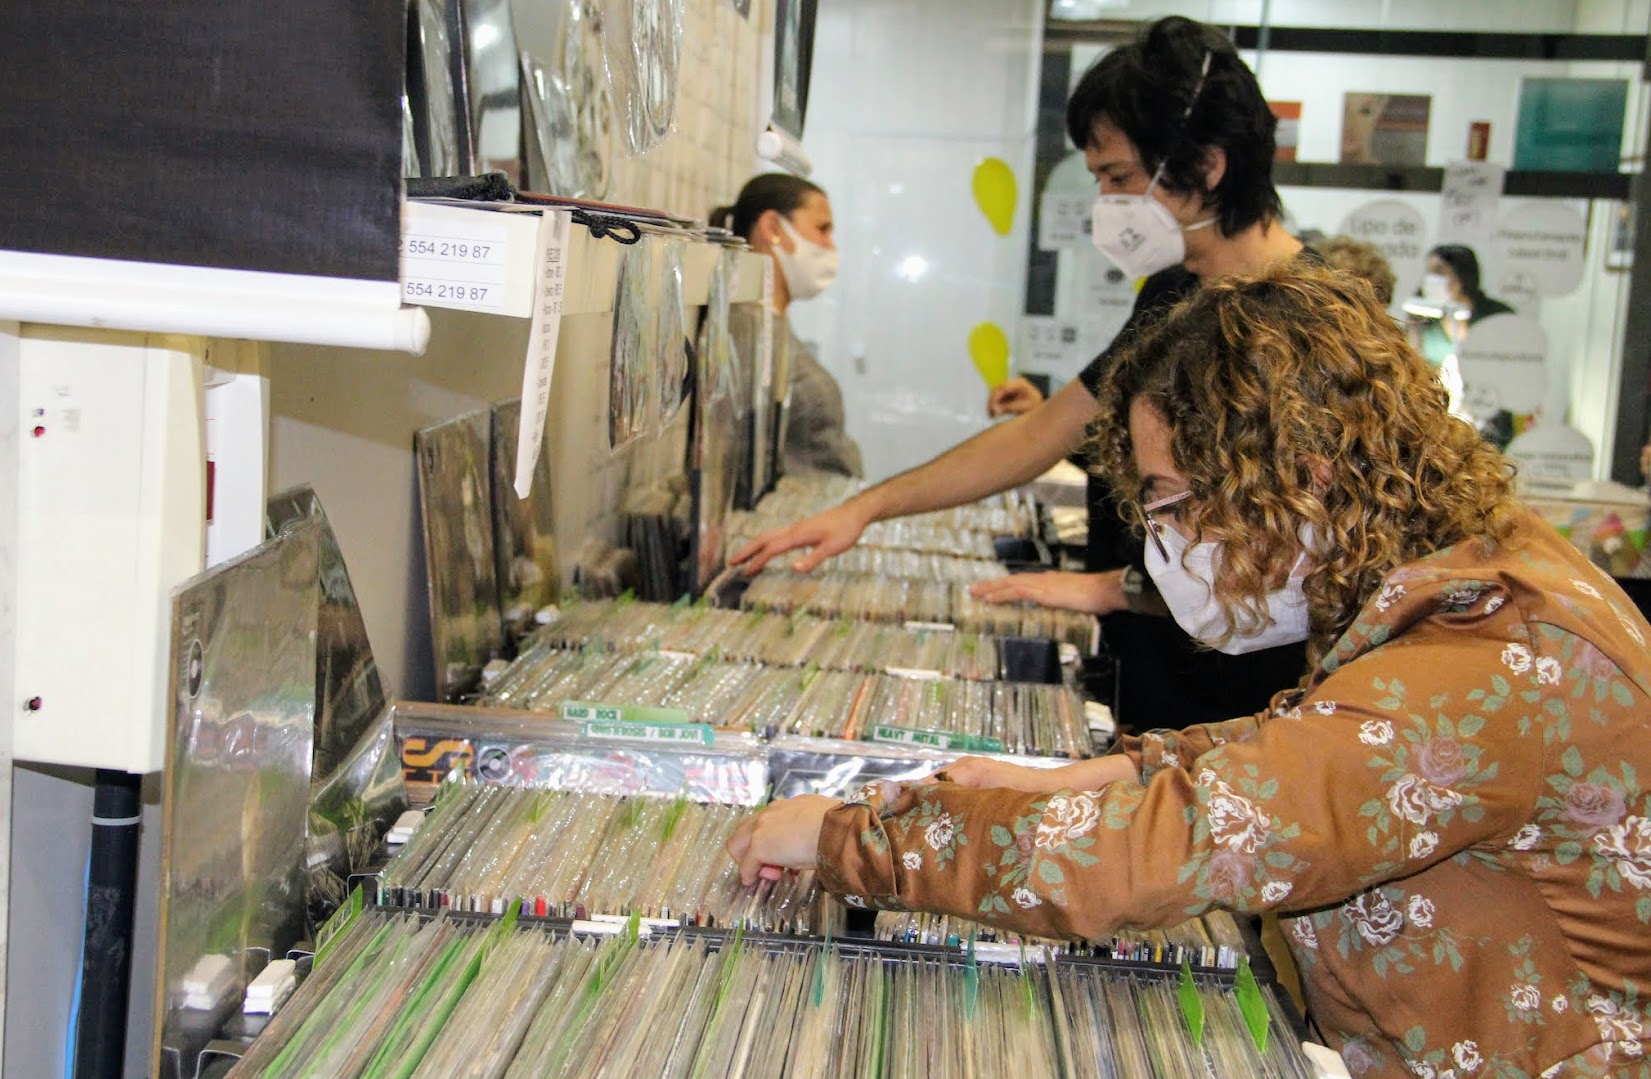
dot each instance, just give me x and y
(1150, 525)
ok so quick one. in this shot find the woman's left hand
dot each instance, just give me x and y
(1094, 593)
(784, 834)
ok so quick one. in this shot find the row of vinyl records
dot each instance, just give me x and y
(879, 598)
(1012, 717)
(486, 849)
(777, 640)
(414, 995)
(968, 531)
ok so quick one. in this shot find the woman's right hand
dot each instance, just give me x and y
(1013, 397)
(829, 533)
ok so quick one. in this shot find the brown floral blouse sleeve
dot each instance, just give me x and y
(1452, 815)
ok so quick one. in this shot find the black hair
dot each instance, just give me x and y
(770, 191)
(1465, 265)
(1151, 91)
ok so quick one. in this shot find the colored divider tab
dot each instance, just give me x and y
(1252, 1005)
(1192, 1005)
(916, 736)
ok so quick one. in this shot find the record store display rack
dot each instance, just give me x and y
(534, 866)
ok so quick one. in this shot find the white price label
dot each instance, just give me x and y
(455, 262)
(549, 271)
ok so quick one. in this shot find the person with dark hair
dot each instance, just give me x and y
(1176, 131)
(1450, 301)
(789, 219)
(1451, 814)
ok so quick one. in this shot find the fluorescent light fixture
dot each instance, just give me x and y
(1082, 10)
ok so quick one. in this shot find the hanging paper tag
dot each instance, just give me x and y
(1192, 1005)
(1253, 1005)
(971, 979)
(550, 266)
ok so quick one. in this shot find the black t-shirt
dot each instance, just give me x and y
(1158, 294)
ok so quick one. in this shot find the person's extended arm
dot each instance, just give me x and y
(1007, 455)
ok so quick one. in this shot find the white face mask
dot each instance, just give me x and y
(808, 268)
(1186, 583)
(1436, 289)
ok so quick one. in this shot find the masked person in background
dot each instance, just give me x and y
(1450, 813)
(1179, 138)
(789, 219)
(1451, 301)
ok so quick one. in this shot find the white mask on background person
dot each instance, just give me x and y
(1186, 583)
(1138, 233)
(1436, 289)
(808, 267)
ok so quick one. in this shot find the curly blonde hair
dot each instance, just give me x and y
(1293, 399)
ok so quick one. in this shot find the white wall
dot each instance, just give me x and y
(907, 97)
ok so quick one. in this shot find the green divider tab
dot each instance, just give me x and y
(971, 978)
(917, 736)
(1192, 1005)
(340, 920)
(1253, 1005)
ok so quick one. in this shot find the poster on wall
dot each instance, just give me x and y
(793, 58)
(1384, 129)
(1570, 125)
(1288, 134)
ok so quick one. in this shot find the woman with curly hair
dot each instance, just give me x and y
(1448, 812)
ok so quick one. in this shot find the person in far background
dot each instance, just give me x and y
(1361, 260)
(1450, 287)
(789, 219)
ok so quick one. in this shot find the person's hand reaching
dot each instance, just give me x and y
(783, 834)
(1093, 593)
(1013, 397)
(827, 534)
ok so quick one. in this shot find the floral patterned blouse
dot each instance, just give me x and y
(1449, 815)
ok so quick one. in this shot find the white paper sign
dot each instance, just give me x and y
(1397, 230)
(1553, 451)
(1540, 249)
(1061, 347)
(550, 268)
(1504, 365)
(1468, 204)
(1063, 220)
